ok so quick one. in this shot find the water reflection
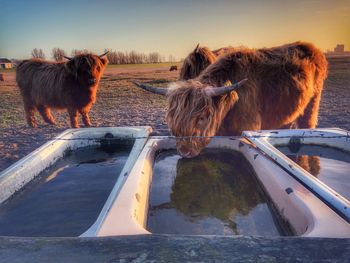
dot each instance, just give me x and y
(310, 163)
(213, 193)
(330, 165)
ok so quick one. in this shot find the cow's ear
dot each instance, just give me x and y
(229, 100)
(104, 60)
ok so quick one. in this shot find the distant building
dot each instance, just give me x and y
(5, 63)
(339, 48)
(339, 51)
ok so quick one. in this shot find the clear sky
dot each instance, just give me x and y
(168, 26)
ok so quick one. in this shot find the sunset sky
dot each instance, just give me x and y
(169, 27)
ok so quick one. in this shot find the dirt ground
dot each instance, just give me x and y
(120, 103)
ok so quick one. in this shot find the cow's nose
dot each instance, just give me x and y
(92, 81)
(187, 153)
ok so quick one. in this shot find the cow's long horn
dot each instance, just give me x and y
(69, 58)
(103, 54)
(196, 49)
(213, 92)
(152, 89)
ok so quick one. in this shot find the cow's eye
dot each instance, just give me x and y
(201, 120)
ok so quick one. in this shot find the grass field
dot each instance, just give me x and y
(7, 70)
(150, 65)
(120, 103)
(125, 66)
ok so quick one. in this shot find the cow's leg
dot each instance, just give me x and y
(29, 109)
(309, 118)
(314, 164)
(73, 115)
(85, 117)
(46, 114)
(309, 163)
(292, 125)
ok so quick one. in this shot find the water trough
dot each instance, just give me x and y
(67, 186)
(293, 205)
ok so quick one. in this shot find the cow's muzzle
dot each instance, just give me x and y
(187, 152)
(92, 81)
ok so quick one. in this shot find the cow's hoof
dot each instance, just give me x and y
(33, 125)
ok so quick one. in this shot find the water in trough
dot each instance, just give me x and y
(330, 165)
(215, 193)
(67, 198)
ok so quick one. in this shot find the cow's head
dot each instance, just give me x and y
(198, 60)
(195, 112)
(87, 69)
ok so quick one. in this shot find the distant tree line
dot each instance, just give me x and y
(38, 53)
(114, 57)
(133, 57)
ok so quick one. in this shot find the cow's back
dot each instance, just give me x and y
(281, 82)
(41, 81)
(25, 72)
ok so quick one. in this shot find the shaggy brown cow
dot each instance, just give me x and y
(199, 59)
(284, 86)
(173, 68)
(68, 85)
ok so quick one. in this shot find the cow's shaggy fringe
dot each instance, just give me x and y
(198, 108)
(68, 85)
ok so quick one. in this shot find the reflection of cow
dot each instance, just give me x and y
(173, 68)
(310, 163)
(284, 86)
(68, 85)
(199, 59)
(2, 77)
(215, 185)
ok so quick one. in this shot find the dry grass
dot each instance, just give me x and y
(131, 106)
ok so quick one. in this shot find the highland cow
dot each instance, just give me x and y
(282, 85)
(199, 59)
(173, 68)
(70, 85)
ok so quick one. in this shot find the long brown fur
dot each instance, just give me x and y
(284, 86)
(196, 62)
(199, 59)
(68, 85)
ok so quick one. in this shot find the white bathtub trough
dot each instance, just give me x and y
(14, 178)
(305, 212)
